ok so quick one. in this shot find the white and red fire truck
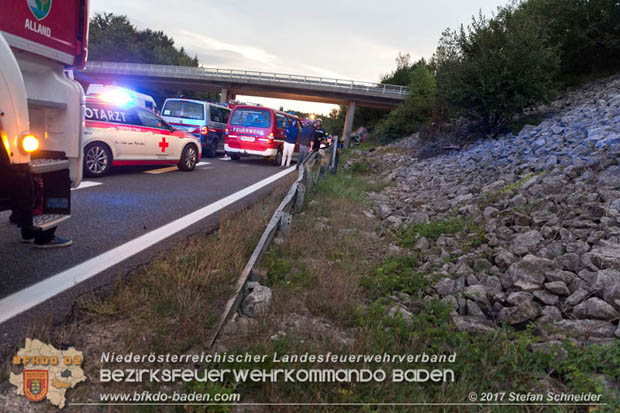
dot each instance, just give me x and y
(41, 109)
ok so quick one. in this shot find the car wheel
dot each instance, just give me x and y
(234, 156)
(277, 160)
(97, 160)
(212, 149)
(189, 158)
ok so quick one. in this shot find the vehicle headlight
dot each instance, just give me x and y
(29, 143)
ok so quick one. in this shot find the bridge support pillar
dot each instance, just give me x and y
(224, 96)
(348, 124)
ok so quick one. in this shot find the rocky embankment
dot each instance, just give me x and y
(546, 205)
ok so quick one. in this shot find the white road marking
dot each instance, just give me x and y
(203, 163)
(86, 184)
(40, 292)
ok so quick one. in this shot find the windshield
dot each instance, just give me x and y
(258, 118)
(183, 109)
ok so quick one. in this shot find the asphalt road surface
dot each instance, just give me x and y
(122, 206)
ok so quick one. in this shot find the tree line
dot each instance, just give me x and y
(494, 68)
(114, 38)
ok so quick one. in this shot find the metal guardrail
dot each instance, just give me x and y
(294, 200)
(246, 76)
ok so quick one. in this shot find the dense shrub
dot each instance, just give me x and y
(415, 110)
(495, 68)
(586, 33)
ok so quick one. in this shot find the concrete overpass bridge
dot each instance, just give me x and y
(230, 83)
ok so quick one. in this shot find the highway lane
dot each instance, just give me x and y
(128, 203)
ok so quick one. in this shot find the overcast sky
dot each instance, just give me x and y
(344, 39)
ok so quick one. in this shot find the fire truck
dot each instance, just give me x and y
(41, 108)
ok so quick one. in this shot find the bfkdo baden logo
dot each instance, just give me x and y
(47, 372)
(40, 8)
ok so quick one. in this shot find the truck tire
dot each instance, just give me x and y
(97, 159)
(189, 158)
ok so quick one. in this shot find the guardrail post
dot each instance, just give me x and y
(286, 220)
(333, 164)
(308, 178)
(300, 197)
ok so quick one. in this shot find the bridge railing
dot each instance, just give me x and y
(244, 75)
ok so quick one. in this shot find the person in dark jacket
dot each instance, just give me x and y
(289, 143)
(305, 140)
(318, 135)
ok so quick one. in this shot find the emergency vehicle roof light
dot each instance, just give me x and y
(118, 97)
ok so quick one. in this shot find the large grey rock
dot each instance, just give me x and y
(586, 328)
(610, 177)
(518, 201)
(493, 284)
(422, 244)
(606, 284)
(607, 256)
(384, 211)
(546, 297)
(472, 324)
(557, 275)
(518, 297)
(528, 242)
(550, 314)
(257, 303)
(578, 296)
(570, 262)
(481, 265)
(526, 311)
(490, 212)
(474, 309)
(595, 308)
(557, 288)
(446, 286)
(504, 258)
(477, 293)
(529, 269)
(400, 312)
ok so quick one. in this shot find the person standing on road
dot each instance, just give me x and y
(289, 143)
(305, 141)
(318, 135)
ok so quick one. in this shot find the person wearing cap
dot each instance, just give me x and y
(318, 135)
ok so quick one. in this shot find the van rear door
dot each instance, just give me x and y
(251, 126)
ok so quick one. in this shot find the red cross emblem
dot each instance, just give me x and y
(163, 144)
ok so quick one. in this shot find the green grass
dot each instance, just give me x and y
(474, 234)
(508, 189)
(395, 274)
(352, 187)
